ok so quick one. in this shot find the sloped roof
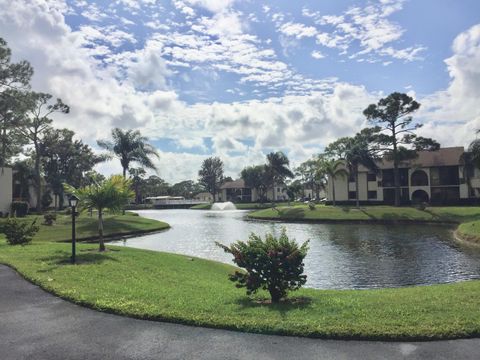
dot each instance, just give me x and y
(236, 184)
(449, 156)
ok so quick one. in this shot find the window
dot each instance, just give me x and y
(419, 178)
(371, 177)
(444, 175)
(351, 177)
(445, 195)
(388, 178)
(279, 190)
(352, 195)
(372, 194)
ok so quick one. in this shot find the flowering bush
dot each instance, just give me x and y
(273, 264)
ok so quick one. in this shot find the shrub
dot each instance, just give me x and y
(19, 208)
(273, 264)
(19, 232)
(311, 205)
(49, 218)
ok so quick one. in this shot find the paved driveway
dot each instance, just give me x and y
(37, 325)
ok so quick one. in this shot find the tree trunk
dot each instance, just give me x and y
(100, 230)
(275, 295)
(38, 178)
(396, 175)
(333, 190)
(356, 187)
(124, 176)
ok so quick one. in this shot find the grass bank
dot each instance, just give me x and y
(244, 206)
(161, 286)
(87, 227)
(470, 232)
(369, 214)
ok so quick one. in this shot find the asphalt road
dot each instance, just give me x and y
(37, 325)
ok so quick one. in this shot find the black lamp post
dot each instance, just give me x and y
(73, 201)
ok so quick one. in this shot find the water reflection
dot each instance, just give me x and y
(341, 255)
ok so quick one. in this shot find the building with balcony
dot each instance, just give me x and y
(440, 177)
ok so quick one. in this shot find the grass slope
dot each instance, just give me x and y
(86, 226)
(470, 231)
(170, 287)
(369, 213)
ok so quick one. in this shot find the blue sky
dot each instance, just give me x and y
(238, 79)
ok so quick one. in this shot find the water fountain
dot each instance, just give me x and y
(224, 206)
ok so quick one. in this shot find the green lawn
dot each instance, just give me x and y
(86, 226)
(243, 206)
(369, 213)
(170, 287)
(470, 231)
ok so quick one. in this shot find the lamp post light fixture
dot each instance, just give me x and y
(73, 202)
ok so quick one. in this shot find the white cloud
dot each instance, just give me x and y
(298, 30)
(317, 54)
(455, 110)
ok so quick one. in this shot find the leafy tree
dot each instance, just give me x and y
(137, 175)
(23, 175)
(211, 175)
(185, 188)
(255, 177)
(294, 189)
(130, 147)
(65, 160)
(112, 194)
(334, 169)
(91, 177)
(273, 264)
(312, 175)
(277, 169)
(14, 80)
(474, 150)
(13, 75)
(35, 126)
(392, 117)
(154, 186)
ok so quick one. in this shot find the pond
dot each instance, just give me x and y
(341, 256)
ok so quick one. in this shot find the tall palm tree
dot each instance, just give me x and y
(112, 194)
(334, 169)
(277, 168)
(130, 146)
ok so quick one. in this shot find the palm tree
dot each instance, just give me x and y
(130, 146)
(474, 150)
(277, 169)
(112, 194)
(358, 153)
(334, 169)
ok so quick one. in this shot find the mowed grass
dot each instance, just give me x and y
(161, 286)
(87, 227)
(369, 213)
(470, 231)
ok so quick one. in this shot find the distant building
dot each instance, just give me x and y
(5, 189)
(237, 191)
(440, 177)
(204, 196)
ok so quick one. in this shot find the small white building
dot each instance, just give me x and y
(237, 191)
(5, 189)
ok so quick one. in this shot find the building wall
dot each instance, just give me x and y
(5, 189)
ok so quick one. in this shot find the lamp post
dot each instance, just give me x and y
(73, 201)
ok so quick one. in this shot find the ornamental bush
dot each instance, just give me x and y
(311, 205)
(274, 264)
(49, 218)
(19, 232)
